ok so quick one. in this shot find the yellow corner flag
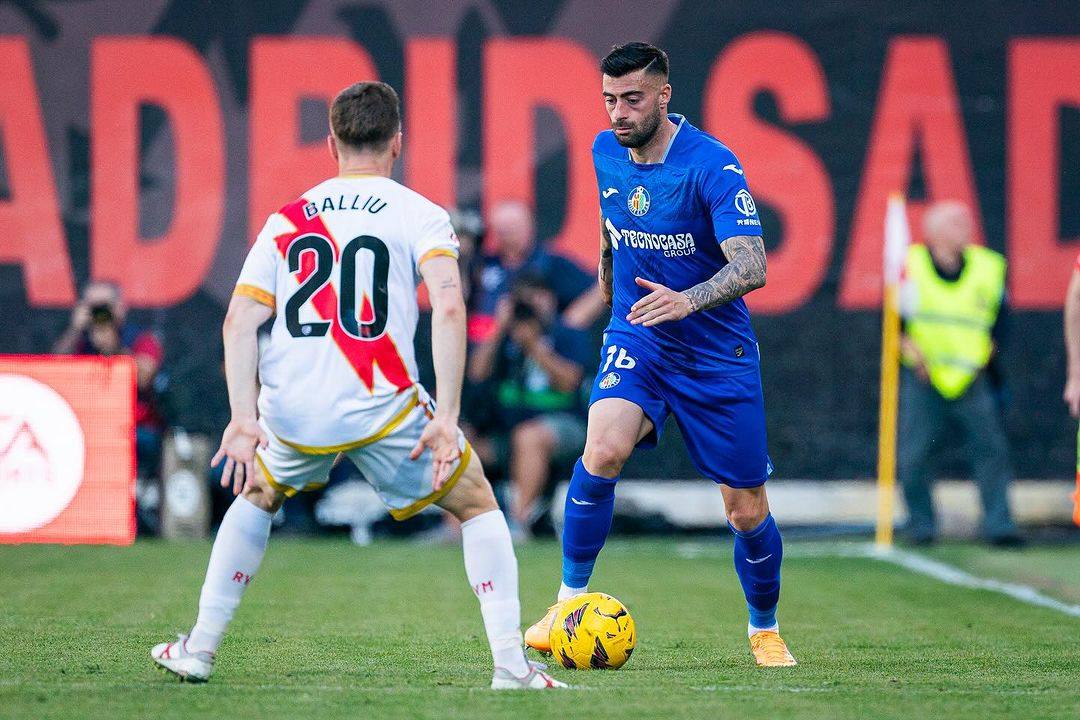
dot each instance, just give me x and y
(897, 240)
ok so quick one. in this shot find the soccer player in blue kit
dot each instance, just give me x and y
(680, 244)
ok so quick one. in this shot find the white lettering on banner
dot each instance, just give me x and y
(41, 454)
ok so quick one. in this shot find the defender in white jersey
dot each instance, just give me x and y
(339, 268)
(338, 271)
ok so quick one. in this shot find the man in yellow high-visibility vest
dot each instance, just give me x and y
(952, 303)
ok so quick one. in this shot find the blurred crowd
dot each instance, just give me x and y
(535, 326)
(531, 357)
(534, 335)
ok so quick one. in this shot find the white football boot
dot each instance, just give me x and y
(536, 679)
(189, 666)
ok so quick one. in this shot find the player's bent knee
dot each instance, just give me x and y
(471, 496)
(259, 493)
(605, 457)
(263, 499)
(746, 510)
(745, 520)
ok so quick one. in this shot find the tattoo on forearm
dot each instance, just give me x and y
(744, 272)
(607, 258)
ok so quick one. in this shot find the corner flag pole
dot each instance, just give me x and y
(897, 239)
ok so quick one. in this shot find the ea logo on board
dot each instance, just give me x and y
(41, 454)
(609, 381)
(639, 201)
(744, 203)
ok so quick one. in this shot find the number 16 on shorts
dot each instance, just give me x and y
(621, 359)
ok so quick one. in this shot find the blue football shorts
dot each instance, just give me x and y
(721, 417)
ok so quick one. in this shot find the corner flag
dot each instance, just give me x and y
(897, 240)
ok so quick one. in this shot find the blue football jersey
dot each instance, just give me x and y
(666, 221)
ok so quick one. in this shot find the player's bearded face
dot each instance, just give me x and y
(635, 107)
(641, 129)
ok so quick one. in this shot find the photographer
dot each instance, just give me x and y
(513, 249)
(534, 366)
(98, 327)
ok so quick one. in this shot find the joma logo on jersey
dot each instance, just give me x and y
(676, 245)
(639, 201)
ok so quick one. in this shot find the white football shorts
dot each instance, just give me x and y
(383, 458)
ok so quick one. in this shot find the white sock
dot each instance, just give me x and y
(238, 550)
(566, 592)
(751, 630)
(491, 567)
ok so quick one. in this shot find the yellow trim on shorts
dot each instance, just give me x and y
(286, 490)
(257, 294)
(388, 428)
(437, 252)
(408, 511)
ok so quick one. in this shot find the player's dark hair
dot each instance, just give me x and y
(366, 116)
(633, 56)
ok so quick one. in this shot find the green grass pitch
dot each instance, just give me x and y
(333, 631)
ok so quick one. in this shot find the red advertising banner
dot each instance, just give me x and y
(67, 449)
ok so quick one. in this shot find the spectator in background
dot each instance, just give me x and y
(1072, 381)
(469, 229)
(515, 249)
(98, 327)
(535, 367)
(952, 304)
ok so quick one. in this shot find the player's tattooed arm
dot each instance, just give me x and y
(744, 272)
(605, 271)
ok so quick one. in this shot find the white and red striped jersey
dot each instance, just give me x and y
(340, 268)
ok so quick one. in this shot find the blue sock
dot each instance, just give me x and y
(589, 504)
(758, 554)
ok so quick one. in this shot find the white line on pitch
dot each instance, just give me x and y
(955, 576)
(907, 560)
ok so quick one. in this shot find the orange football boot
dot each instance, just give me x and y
(770, 650)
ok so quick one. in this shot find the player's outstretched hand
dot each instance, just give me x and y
(661, 305)
(238, 450)
(441, 437)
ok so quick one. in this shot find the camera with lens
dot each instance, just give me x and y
(523, 311)
(102, 314)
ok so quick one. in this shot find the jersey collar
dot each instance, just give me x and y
(679, 121)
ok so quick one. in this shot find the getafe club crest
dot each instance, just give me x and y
(639, 201)
(609, 381)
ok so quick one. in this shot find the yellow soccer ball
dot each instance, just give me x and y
(593, 630)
